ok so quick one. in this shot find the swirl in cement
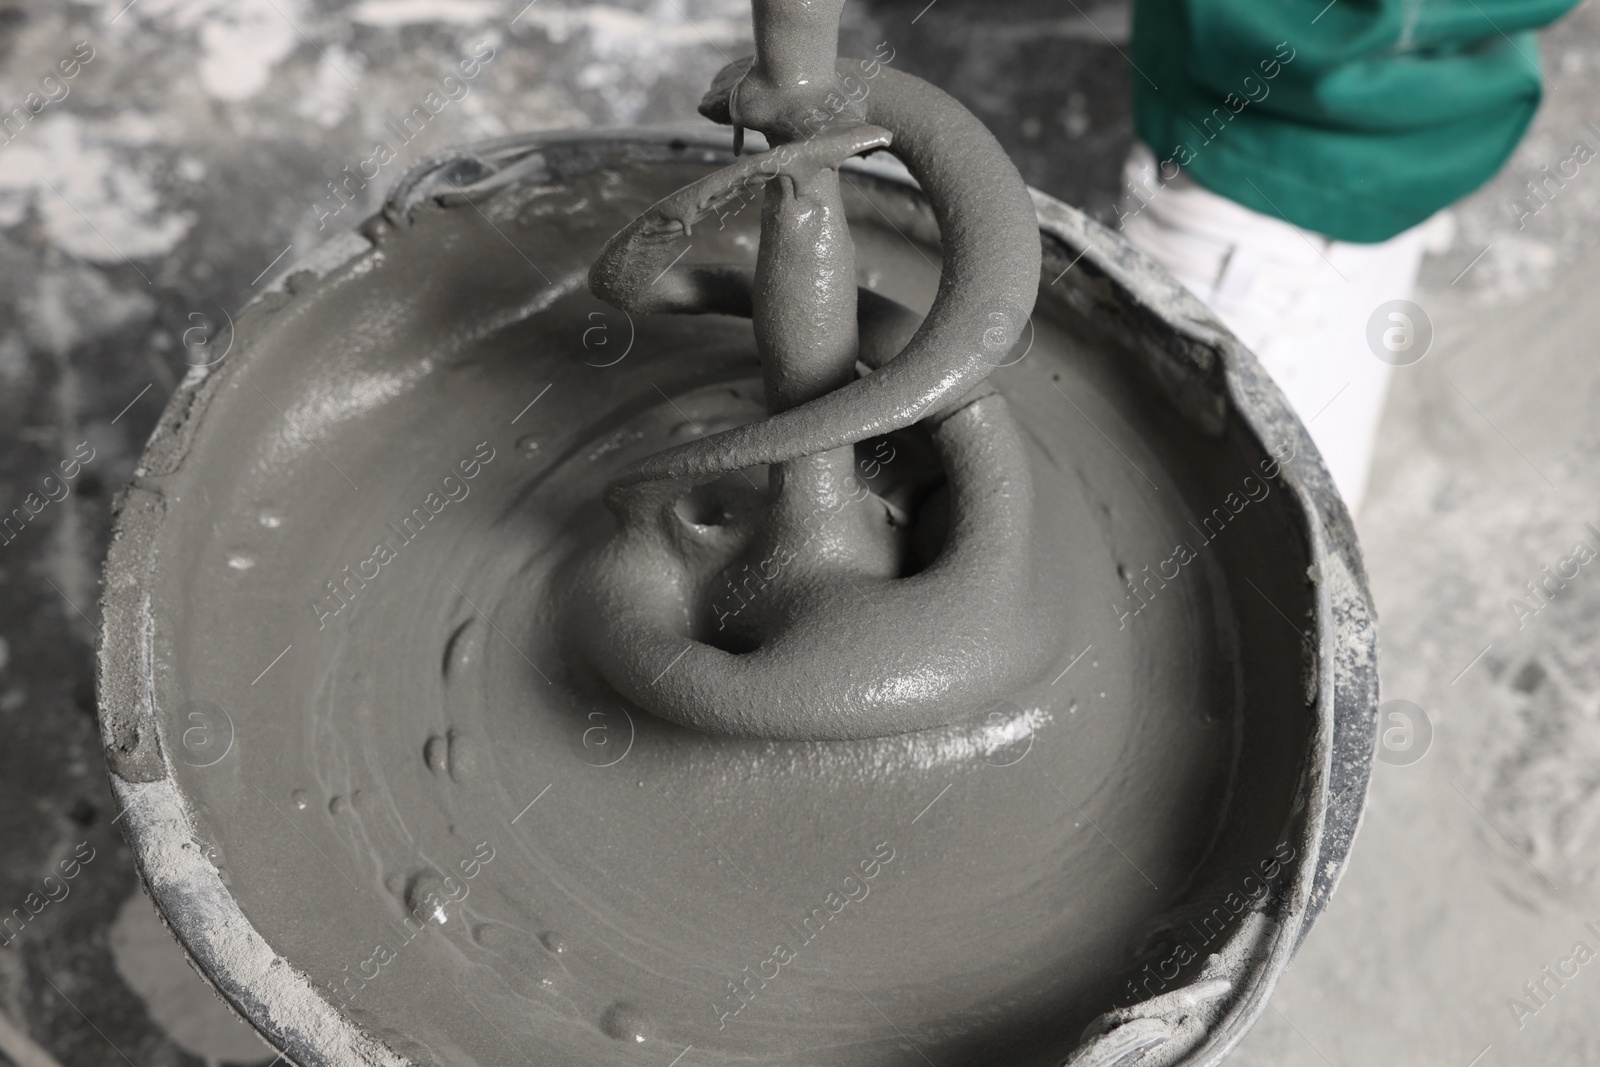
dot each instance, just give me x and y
(859, 642)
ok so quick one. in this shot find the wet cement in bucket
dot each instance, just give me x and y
(479, 857)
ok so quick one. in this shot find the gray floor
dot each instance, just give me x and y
(190, 160)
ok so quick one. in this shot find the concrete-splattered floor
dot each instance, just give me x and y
(199, 146)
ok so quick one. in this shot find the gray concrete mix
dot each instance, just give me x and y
(191, 158)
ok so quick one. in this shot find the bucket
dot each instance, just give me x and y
(388, 827)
